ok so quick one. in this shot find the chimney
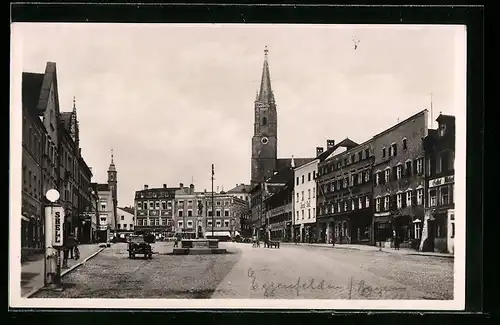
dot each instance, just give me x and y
(242, 184)
(191, 188)
(181, 185)
(319, 151)
(205, 191)
(145, 186)
(330, 144)
(164, 185)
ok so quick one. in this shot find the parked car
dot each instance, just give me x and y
(140, 244)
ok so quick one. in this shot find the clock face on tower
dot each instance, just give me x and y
(111, 177)
(264, 140)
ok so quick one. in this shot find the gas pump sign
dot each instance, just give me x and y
(57, 226)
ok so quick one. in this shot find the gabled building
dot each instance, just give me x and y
(125, 221)
(241, 191)
(279, 213)
(107, 207)
(439, 220)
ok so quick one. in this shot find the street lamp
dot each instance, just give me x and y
(54, 238)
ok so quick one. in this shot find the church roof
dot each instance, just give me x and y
(265, 94)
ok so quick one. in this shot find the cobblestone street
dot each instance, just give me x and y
(291, 272)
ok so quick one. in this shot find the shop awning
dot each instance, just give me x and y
(218, 234)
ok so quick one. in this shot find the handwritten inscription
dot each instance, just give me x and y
(300, 285)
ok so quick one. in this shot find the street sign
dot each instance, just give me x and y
(58, 229)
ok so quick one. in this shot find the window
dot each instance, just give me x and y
(163, 205)
(122, 218)
(360, 178)
(405, 145)
(217, 213)
(367, 176)
(218, 223)
(345, 205)
(157, 204)
(131, 226)
(309, 193)
(169, 204)
(190, 213)
(264, 121)
(452, 230)
(297, 197)
(367, 202)
(383, 152)
(420, 196)
(209, 223)
(157, 222)
(399, 200)
(163, 221)
(353, 206)
(297, 180)
(332, 186)
(408, 199)
(309, 177)
(302, 179)
(314, 174)
(297, 215)
(179, 224)
(180, 212)
(210, 213)
(360, 155)
(433, 198)
(226, 223)
(353, 179)
(387, 175)
(442, 129)
(314, 192)
(417, 230)
(386, 202)
(190, 223)
(399, 172)
(314, 212)
(444, 195)
(309, 213)
(345, 182)
(302, 214)
(352, 159)
(103, 205)
(377, 179)
(360, 203)
(420, 166)
(394, 150)
(226, 213)
(302, 195)
(151, 204)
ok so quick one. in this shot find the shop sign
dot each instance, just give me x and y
(153, 213)
(57, 216)
(142, 213)
(441, 181)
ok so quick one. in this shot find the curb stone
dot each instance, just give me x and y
(35, 290)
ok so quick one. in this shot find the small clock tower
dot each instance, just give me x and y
(112, 184)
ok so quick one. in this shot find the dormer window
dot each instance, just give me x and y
(405, 144)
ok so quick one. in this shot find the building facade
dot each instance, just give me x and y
(279, 213)
(33, 139)
(345, 196)
(439, 223)
(241, 191)
(399, 180)
(225, 223)
(154, 211)
(305, 201)
(125, 221)
(188, 212)
(50, 140)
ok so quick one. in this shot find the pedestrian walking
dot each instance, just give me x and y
(177, 240)
(254, 241)
(396, 242)
(76, 251)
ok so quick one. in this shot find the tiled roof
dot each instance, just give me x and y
(282, 163)
(282, 176)
(242, 188)
(31, 86)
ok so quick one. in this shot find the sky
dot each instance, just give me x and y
(173, 99)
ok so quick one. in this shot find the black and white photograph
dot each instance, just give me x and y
(237, 166)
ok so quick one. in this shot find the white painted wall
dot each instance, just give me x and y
(305, 193)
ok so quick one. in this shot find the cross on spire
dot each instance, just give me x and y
(112, 162)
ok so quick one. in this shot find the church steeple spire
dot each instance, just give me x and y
(266, 93)
(112, 167)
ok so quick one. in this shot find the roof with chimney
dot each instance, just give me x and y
(281, 177)
(241, 188)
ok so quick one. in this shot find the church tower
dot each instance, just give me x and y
(264, 140)
(113, 186)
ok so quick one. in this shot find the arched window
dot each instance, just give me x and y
(264, 121)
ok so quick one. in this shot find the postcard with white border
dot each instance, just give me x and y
(237, 166)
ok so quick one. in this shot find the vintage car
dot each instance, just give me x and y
(140, 244)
